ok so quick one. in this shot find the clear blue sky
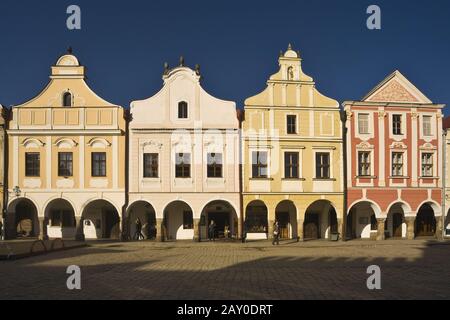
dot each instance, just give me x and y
(125, 43)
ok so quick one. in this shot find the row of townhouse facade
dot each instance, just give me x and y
(77, 166)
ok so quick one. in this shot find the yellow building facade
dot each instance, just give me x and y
(66, 161)
(292, 158)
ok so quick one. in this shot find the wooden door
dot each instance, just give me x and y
(283, 222)
(311, 227)
(397, 222)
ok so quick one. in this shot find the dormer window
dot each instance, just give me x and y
(67, 99)
(182, 110)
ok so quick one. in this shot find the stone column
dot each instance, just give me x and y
(380, 229)
(196, 229)
(300, 230)
(239, 232)
(79, 236)
(43, 225)
(439, 227)
(270, 229)
(159, 230)
(410, 227)
(341, 229)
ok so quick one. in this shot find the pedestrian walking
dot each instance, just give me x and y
(138, 233)
(212, 231)
(276, 233)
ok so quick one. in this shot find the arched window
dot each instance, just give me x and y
(67, 99)
(182, 110)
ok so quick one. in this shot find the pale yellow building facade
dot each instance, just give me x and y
(292, 158)
(66, 161)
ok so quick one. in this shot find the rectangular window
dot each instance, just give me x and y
(427, 164)
(363, 123)
(188, 220)
(65, 164)
(214, 163)
(98, 163)
(259, 164)
(397, 164)
(291, 166)
(364, 164)
(183, 165)
(427, 126)
(151, 165)
(322, 165)
(32, 164)
(397, 124)
(291, 124)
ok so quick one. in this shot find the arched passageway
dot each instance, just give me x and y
(178, 221)
(362, 222)
(395, 225)
(286, 215)
(320, 221)
(256, 221)
(101, 221)
(22, 219)
(61, 219)
(425, 223)
(141, 212)
(224, 217)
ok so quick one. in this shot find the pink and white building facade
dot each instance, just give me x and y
(394, 163)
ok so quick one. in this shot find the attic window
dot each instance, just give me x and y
(182, 110)
(67, 99)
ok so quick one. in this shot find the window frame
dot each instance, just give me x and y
(291, 169)
(216, 167)
(290, 126)
(397, 126)
(67, 163)
(366, 164)
(96, 164)
(430, 165)
(367, 127)
(258, 166)
(35, 169)
(183, 110)
(395, 163)
(183, 166)
(320, 166)
(149, 168)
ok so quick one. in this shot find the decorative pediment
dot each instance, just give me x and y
(65, 143)
(428, 146)
(32, 143)
(398, 145)
(151, 144)
(100, 143)
(396, 88)
(364, 145)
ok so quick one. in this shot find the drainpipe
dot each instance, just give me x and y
(344, 159)
(128, 117)
(5, 116)
(241, 115)
(444, 179)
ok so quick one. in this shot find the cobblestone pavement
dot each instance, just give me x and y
(186, 270)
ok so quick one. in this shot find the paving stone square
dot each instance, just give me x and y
(255, 270)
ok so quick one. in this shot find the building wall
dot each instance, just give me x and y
(43, 125)
(319, 129)
(394, 96)
(211, 127)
